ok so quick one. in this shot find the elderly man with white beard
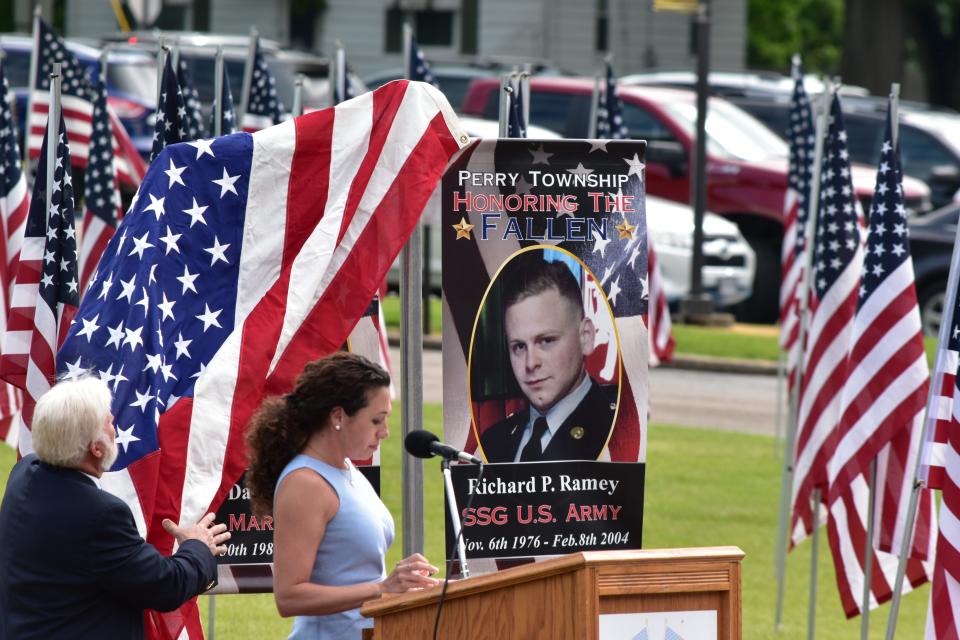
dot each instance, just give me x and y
(72, 564)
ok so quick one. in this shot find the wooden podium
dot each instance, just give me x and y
(564, 597)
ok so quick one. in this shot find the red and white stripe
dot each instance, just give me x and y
(939, 415)
(94, 235)
(353, 181)
(824, 373)
(34, 332)
(662, 341)
(847, 534)
(791, 278)
(129, 167)
(14, 206)
(943, 616)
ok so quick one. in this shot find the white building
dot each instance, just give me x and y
(573, 35)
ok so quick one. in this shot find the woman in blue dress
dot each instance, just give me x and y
(331, 530)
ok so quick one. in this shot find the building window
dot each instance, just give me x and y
(602, 26)
(469, 25)
(433, 28)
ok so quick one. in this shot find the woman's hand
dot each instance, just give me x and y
(410, 573)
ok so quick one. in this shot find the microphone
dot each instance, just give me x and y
(423, 444)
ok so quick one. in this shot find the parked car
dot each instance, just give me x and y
(130, 90)
(931, 247)
(199, 50)
(746, 169)
(929, 137)
(454, 79)
(728, 261)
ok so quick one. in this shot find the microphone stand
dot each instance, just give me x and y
(455, 517)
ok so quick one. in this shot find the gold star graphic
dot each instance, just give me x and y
(463, 229)
(626, 230)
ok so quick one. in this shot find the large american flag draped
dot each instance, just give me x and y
(77, 100)
(264, 107)
(610, 122)
(14, 204)
(800, 135)
(101, 196)
(881, 411)
(838, 260)
(172, 121)
(222, 282)
(46, 291)
(228, 117)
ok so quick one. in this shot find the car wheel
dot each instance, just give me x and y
(763, 305)
(931, 301)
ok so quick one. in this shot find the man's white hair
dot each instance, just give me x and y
(68, 418)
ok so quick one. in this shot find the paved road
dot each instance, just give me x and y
(730, 401)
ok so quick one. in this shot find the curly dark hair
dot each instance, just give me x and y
(280, 428)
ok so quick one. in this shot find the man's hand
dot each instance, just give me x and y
(206, 531)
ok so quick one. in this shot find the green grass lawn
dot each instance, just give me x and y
(703, 488)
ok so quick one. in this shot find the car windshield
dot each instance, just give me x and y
(732, 132)
(142, 78)
(138, 79)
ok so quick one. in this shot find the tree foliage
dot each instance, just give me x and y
(779, 28)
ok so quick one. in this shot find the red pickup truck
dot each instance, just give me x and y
(746, 162)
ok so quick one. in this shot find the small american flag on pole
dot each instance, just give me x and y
(264, 107)
(795, 207)
(610, 122)
(191, 100)
(881, 408)
(47, 291)
(101, 196)
(14, 204)
(220, 285)
(662, 341)
(838, 260)
(78, 98)
(172, 121)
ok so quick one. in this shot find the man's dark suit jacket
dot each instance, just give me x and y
(72, 564)
(591, 420)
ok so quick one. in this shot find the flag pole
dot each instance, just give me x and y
(53, 132)
(407, 47)
(781, 382)
(524, 86)
(248, 77)
(297, 109)
(786, 486)
(218, 94)
(34, 62)
(868, 555)
(936, 382)
(411, 363)
(812, 611)
(340, 73)
(594, 106)
(505, 88)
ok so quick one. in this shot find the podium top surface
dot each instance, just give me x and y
(552, 566)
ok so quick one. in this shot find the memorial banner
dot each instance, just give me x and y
(545, 350)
